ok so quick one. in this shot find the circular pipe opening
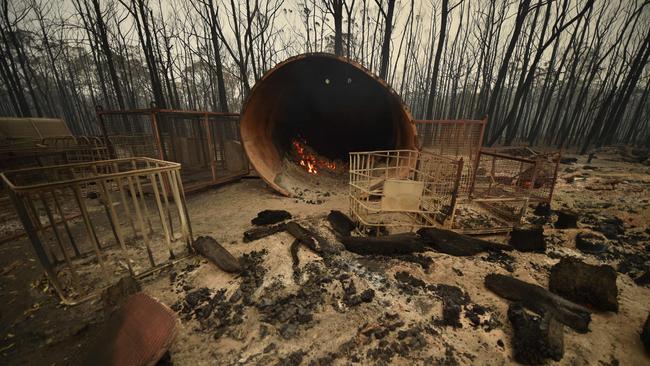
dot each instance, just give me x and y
(332, 104)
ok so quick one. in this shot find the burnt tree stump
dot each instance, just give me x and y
(528, 238)
(585, 283)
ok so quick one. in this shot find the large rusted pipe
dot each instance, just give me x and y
(334, 104)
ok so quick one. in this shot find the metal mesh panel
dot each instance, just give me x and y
(136, 222)
(453, 138)
(206, 144)
(131, 135)
(402, 188)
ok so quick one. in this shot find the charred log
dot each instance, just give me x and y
(540, 300)
(268, 217)
(452, 243)
(215, 253)
(340, 222)
(262, 232)
(535, 338)
(585, 283)
(385, 245)
(528, 238)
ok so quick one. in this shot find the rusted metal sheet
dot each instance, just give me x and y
(335, 104)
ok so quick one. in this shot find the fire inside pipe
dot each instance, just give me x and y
(332, 104)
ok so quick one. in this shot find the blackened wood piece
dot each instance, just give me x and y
(268, 217)
(540, 300)
(262, 232)
(305, 236)
(340, 222)
(215, 253)
(452, 243)
(385, 245)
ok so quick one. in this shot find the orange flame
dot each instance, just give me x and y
(309, 160)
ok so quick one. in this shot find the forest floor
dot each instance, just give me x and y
(325, 312)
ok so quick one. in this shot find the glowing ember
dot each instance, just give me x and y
(309, 160)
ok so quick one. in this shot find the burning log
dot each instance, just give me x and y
(540, 300)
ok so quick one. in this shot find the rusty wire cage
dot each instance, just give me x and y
(134, 222)
(52, 150)
(207, 144)
(402, 189)
(504, 182)
(546, 164)
(454, 138)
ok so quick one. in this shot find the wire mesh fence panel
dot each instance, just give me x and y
(230, 158)
(453, 138)
(402, 189)
(206, 144)
(136, 222)
(130, 134)
(540, 175)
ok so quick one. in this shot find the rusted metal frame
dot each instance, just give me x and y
(211, 149)
(107, 141)
(454, 194)
(555, 171)
(37, 245)
(115, 223)
(64, 219)
(161, 167)
(141, 195)
(179, 206)
(492, 169)
(40, 228)
(90, 231)
(140, 220)
(165, 111)
(165, 187)
(163, 222)
(156, 135)
(58, 237)
(509, 157)
(524, 207)
(185, 211)
(124, 201)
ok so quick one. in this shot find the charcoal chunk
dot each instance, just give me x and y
(535, 338)
(528, 238)
(268, 217)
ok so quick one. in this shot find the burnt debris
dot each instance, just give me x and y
(269, 217)
(535, 338)
(208, 247)
(340, 223)
(586, 284)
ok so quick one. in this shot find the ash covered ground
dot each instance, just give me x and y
(423, 308)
